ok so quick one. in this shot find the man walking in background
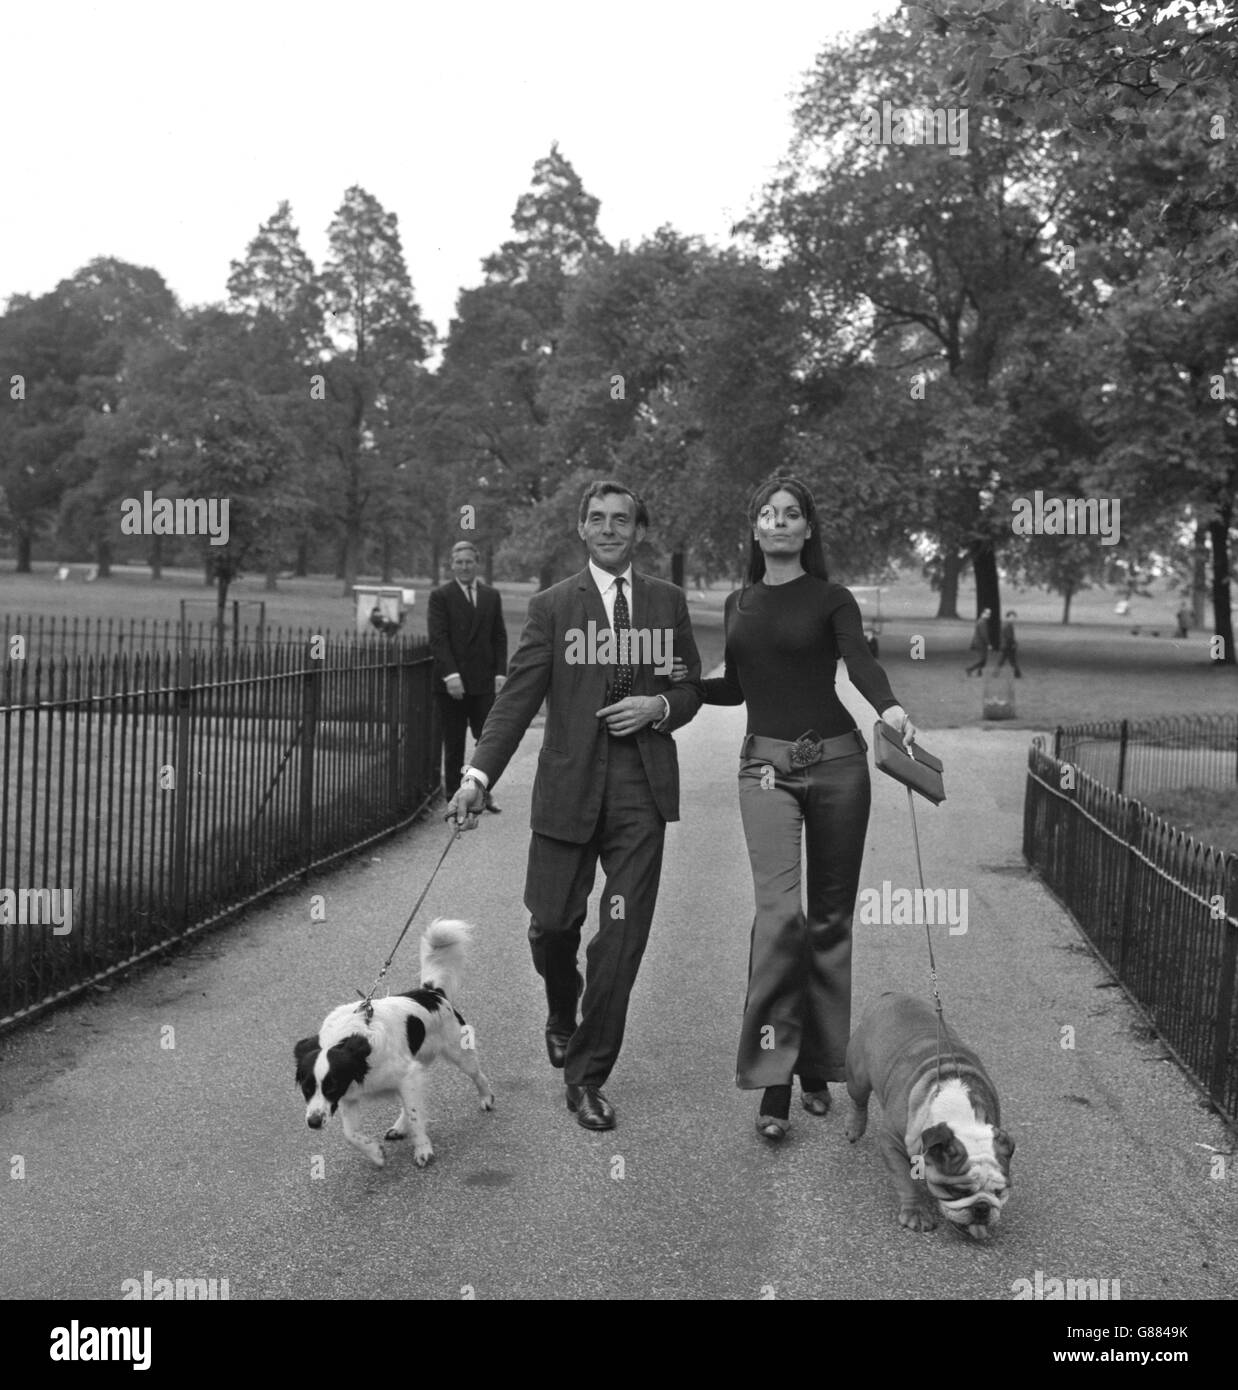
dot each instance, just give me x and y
(607, 779)
(1009, 648)
(980, 642)
(469, 643)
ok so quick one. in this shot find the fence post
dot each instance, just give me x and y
(1130, 833)
(183, 782)
(1122, 757)
(310, 690)
(1225, 995)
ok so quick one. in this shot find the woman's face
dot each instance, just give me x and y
(782, 528)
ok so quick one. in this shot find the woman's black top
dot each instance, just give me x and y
(783, 642)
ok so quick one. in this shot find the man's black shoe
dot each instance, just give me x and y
(556, 1047)
(591, 1108)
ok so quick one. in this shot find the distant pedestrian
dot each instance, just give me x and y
(469, 643)
(980, 642)
(1184, 616)
(1009, 647)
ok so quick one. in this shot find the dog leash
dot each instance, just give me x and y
(366, 1006)
(915, 835)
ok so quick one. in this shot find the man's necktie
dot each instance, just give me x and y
(472, 600)
(622, 687)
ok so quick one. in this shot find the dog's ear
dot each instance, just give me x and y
(306, 1054)
(1003, 1146)
(349, 1061)
(941, 1148)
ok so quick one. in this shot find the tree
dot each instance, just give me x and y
(673, 373)
(381, 340)
(914, 258)
(491, 420)
(276, 289)
(70, 348)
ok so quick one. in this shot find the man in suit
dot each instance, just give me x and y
(469, 643)
(607, 781)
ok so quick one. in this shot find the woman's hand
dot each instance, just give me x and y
(899, 720)
(679, 670)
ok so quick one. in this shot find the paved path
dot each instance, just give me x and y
(195, 1162)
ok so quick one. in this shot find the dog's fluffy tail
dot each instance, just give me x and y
(444, 947)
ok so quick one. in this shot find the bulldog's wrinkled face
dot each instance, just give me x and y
(968, 1174)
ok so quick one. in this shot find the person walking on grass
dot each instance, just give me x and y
(980, 642)
(1009, 647)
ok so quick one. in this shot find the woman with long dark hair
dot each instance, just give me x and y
(803, 776)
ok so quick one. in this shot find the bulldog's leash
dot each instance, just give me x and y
(919, 772)
(366, 1006)
(928, 935)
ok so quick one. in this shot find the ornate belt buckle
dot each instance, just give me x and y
(806, 749)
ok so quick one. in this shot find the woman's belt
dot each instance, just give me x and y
(786, 756)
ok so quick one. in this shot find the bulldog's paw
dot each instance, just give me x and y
(422, 1155)
(915, 1216)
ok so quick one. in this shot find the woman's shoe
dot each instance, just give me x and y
(773, 1112)
(772, 1128)
(816, 1102)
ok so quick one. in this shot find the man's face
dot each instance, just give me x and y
(610, 532)
(464, 566)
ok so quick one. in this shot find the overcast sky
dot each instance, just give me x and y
(164, 134)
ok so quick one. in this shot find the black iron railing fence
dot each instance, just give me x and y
(1160, 908)
(165, 790)
(46, 636)
(1136, 756)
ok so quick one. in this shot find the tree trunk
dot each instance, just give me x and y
(1223, 618)
(436, 559)
(677, 567)
(988, 588)
(1067, 595)
(352, 554)
(221, 605)
(300, 568)
(388, 566)
(271, 584)
(545, 577)
(951, 567)
(208, 569)
(1199, 574)
(103, 557)
(24, 549)
(156, 557)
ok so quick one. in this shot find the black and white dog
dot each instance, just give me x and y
(350, 1058)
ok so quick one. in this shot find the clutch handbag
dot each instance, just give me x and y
(921, 772)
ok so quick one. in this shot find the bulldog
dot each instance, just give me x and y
(952, 1124)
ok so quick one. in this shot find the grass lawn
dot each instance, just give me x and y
(1094, 668)
(1209, 815)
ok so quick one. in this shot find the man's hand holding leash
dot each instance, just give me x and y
(466, 806)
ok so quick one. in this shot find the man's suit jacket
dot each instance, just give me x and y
(571, 767)
(470, 641)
